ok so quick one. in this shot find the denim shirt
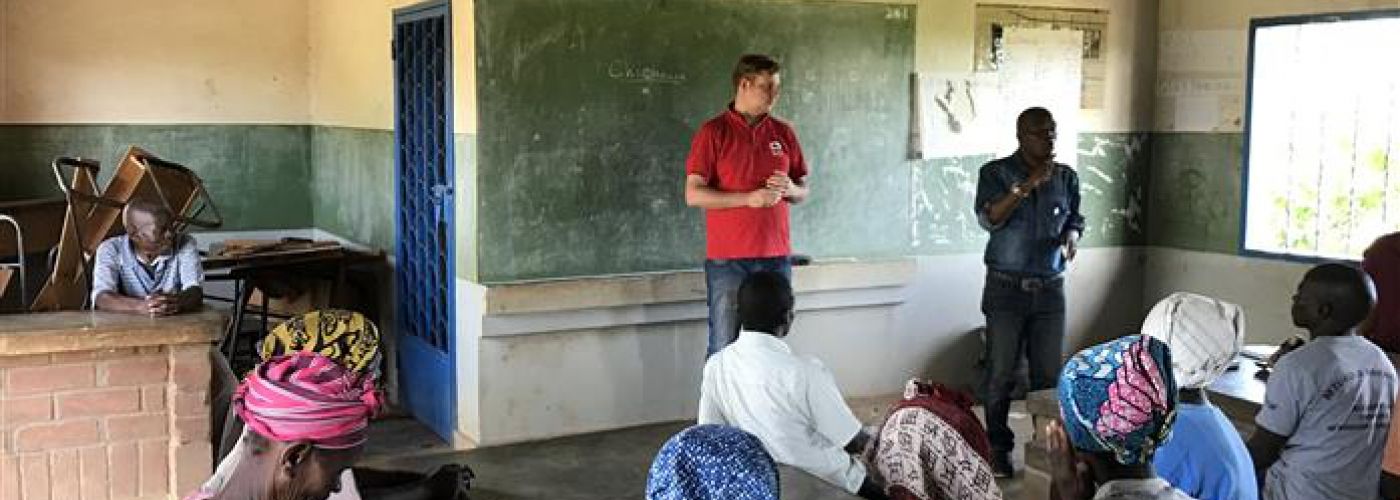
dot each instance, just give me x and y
(1028, 241)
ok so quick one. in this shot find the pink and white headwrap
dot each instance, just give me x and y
(307, 397)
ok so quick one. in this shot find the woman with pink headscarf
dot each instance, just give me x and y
(307, 417)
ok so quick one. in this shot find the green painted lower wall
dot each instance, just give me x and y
(1196, 191)
(338, 179)
(351, 186)
(256, 174)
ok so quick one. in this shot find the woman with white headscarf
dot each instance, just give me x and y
(1205, 456)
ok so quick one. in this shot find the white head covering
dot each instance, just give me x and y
(1204, 335)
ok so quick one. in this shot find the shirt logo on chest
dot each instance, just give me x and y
(776, 148)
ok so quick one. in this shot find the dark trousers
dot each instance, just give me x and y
(722, 280)
(1024, 315)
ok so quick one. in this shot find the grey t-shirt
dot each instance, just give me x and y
(1332, 399)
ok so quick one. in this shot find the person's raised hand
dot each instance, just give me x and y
(763, 198)
(1068, 478)
(1040, 175)
(779, 182)
(1070, 247)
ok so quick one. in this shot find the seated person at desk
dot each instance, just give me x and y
(1205, 456)
(352, 342)
(789, 402)
(1117, 402)
(1322, 428)
(149, 270)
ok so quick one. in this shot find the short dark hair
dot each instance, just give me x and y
(1024, 120)
(1348, 289)
(151, 207)
(753, 64)
(765, 299)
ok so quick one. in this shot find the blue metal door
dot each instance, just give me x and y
(423, 175)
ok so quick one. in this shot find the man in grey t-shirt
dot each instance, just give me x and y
(1327, 407)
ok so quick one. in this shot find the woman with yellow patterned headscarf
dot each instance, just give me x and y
(346, 337)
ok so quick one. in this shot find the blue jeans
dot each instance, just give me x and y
(1024, 315)
(722, 280)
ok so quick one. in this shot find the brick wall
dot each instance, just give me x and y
(108, 424)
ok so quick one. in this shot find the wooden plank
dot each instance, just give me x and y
(6, 274)
(101, 219)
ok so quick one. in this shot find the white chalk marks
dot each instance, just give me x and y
(644, 73)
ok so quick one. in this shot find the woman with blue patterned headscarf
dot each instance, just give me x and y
(1117, 401)
(718, 462)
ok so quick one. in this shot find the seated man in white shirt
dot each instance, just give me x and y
(789, 402)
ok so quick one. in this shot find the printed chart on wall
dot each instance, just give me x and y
(973, 114)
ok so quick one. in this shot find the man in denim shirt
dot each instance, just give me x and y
(1030, 205)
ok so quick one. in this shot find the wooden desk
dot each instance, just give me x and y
(1239, 395)
(247, 270)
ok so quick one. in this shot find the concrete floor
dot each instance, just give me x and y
(608, 465)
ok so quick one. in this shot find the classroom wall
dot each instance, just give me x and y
(218, 86)
(285, 108)
(1115, 154)
(632, 373)
(1198, 157)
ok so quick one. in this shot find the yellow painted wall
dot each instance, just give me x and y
(945, 39)
(351, 75)
(1203, 57)
(153, 61)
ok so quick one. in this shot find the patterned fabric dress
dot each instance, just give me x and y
(932, 447)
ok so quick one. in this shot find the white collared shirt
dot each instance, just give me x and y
(790, 402)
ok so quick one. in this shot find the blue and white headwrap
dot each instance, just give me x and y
(1119, 397)
(713, 462)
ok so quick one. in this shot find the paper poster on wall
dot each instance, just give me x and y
(970, 114)
(1042, 68)
(951, 117)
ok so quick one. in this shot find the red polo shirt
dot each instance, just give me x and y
(735, 157)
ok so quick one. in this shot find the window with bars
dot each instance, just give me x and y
(1322, 173)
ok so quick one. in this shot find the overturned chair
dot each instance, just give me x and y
(92, 216)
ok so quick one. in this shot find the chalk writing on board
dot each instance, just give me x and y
(1106, 166)
(643, 73)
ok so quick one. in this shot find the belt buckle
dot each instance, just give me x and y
(1032, 284)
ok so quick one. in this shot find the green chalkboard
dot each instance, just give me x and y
(587, 109)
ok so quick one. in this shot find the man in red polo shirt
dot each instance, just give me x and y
(744, 168)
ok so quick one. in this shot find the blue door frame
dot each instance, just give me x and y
(423, 202)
